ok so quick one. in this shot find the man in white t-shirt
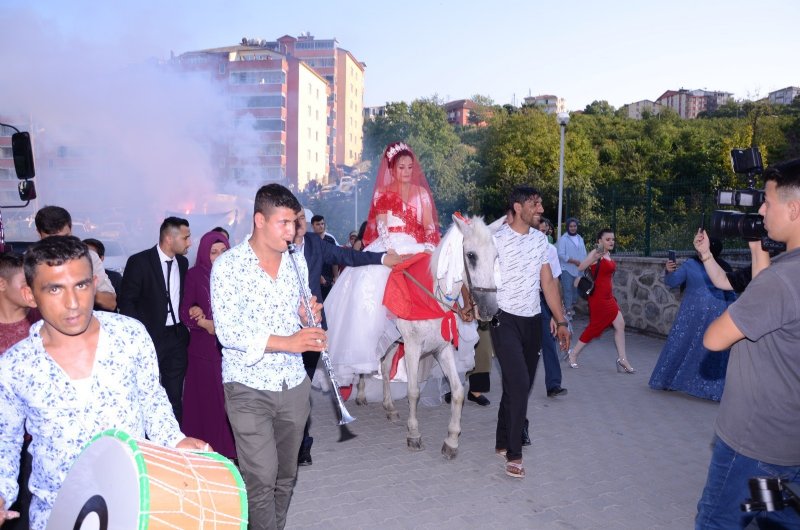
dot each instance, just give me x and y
(516, 337)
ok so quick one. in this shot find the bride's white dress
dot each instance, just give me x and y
(361, 329)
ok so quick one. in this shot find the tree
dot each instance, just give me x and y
(601, 107)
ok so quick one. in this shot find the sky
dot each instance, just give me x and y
(617, 50)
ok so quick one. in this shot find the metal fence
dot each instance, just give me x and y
(647, 218)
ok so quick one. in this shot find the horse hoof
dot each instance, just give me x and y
(415, 444)
(449, 452)
(393, 416)
(361, 401)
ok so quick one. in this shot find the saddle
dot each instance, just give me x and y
(406, 299)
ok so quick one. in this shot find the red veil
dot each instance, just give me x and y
(387, 196)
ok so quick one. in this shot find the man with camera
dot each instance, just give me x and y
(757, 430)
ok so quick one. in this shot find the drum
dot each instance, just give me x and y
(122, 483)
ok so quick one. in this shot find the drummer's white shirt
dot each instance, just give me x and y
(36, 393)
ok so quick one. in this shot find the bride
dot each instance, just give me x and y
(402, 218)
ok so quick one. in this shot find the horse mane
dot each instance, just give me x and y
(479, 230)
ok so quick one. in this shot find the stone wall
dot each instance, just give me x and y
(646, 302)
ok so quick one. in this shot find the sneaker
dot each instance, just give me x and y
(557, 391)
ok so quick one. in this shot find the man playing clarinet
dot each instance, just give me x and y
(260, 317)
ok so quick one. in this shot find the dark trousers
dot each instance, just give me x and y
(268, 428)
(516, 343)
(171, 343)
(23, 503)
(552, 368)
(310, 360)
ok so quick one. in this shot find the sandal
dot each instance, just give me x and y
(501, 453)
(514, 469)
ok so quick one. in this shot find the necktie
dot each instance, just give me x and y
(169, 298)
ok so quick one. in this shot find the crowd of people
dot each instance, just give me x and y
(221, 355)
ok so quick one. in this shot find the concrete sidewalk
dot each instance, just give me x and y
(612, 453)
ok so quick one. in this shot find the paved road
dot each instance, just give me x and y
(611, 454)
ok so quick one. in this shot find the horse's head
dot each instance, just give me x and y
(480, 256)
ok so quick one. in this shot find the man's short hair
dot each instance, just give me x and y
(10, 264)
(317, 218)
(273, 196)
(520, 194)
(53, 251)
(98, 246)
(169, 223)
(52, 219)
(786, 176)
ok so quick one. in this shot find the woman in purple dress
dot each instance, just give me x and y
(203, 401)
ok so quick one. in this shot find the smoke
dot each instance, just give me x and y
(119, 137)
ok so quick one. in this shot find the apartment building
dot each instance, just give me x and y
(280, 112)
(345, 75)
(689, 103)
(784, 96)
(637, 108)
(547, 102)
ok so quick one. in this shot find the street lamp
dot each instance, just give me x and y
(563, 120)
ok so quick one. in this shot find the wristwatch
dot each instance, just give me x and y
(564, 324)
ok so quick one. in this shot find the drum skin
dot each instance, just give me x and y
(121, 483)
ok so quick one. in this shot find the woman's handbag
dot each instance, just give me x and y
(585, 283)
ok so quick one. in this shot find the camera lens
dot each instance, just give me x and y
(728, 223)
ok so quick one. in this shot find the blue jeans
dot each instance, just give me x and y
(726, 488)
(552, 368)
(569, 290)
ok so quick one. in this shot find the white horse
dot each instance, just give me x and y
(466, 254)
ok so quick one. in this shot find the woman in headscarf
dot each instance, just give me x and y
(685, 364)
(203, 400)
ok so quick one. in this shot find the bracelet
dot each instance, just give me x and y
(564, 324)
(706, 258)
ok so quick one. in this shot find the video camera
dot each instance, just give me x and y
(771, 494)
(746, 225)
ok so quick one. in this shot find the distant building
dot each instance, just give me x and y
(458, 111)
(345, 75)
(634, 110)
(370, 113)
(305, 97)
(689, 103)
(547, 102)
(784, 96)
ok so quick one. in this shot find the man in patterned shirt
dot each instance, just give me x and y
(522, 255)
(77, 373)
(259, 318)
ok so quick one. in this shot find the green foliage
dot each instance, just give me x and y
(658, 172)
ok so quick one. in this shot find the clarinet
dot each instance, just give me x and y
(344, 416)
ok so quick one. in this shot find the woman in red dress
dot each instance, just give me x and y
(603, 308)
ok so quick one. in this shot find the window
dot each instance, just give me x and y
(221, 68)
(5, 152)
(309, 133)
(258, 102)
(316, 157)
(6, 130)
(269, 125)
(258, 77)
(309, 111)
(6, 173)
(309, 154)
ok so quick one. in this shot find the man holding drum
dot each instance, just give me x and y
(76, 374)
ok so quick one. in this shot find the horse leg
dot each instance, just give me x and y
(388, 403)
(414, 438)
(361, 397)
(448, 363)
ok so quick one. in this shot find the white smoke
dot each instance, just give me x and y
(120, 137)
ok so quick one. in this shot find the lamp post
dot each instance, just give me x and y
(563, 120)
